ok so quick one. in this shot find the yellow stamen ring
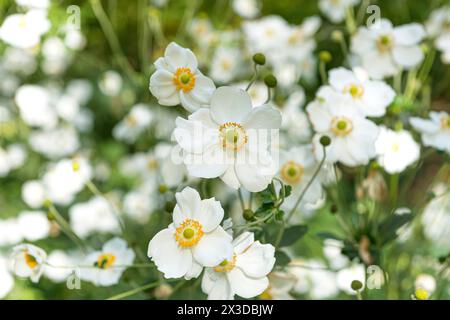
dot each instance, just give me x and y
(184, 79)
(341, 126)
(233, 136)
(292, 172)
(189, 233)
(225, 265)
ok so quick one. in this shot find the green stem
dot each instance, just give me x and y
(139, 289)
(254, 77)
(393, 189)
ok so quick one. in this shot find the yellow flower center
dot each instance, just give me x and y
(131, 120)
(105, 260)
(226, 64)
(356, 91)
(395, 147)
(233, 136)
(152, 164)
(341, 126)
(184, 79)
(445, 122)
(384, 43)
(189, 233)
(292, 172)
(23, 23)
(30, 260)
(226, 265)
(421, 294)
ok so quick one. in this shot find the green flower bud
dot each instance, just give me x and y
(325, 141)
(259, 58)
(248, 214)
(270, 81)
(50, 216)
(356, 285)
(337, 35)
(325, 56)
(169, 206)
(163, 188)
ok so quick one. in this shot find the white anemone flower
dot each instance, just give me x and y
(352, 136)
(372, 96)
(230, 140)
(7, 283)
(178, 80)
(438, 26)
(385, 50)
(246, 8)
(225, 64)
(108, 264)
(336, 10)
(135, 123)
(245, 274)
(345, 277)
(396, 150)
(435, 131)
(266, 33)
(27, 261)
(194, 240)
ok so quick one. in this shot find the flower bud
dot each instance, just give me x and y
(259, 58)
(163, 188)
(248, 214)
(325, 141)
(356, 285)
(421, 294)
(325, 56)
(270, 81)
(337, 35)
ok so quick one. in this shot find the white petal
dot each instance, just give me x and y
(263, 117)
(377, 97)
(230, 104)
(177, 57)
(379, 65)
(257, 261)
(213, 248)
(230, 178)
(211, 163)
(408, 57)
(210, 214)
(194, 271)
(254, 170)
(189, 202)
(216, 286)
(245, 286)
(409, 34)
(319, 116)
(339, 78)
(243, 242)
(424, 126)
(194, 136)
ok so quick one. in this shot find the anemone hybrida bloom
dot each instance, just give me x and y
(435, 131)
(178, 80)
(385, 50)
(352, 135)
(194, 240)
(109, 263)
(245, 274)
(27, 261)
(336, 10)
(396, 150)
(230, 140)
(372, 96)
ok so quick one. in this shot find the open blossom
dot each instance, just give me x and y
(435, 131)
(27, 261)
(336, 10)
(438, 27)
(385, 50)
(245, 274)
(109, 263)
(134, 123)
(178, 80)
(194, 240)
(352, 136)
(230, 140)
(396, 150)
(372, 96)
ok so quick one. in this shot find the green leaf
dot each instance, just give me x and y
(387, 229)
(293, 234)
(328, 235)
(282, 259)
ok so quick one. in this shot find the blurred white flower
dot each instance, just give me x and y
(245, 274)
(435, 131)
(95, 215)
(194, 240)
(27, 261)
(295, 121)
(134, 123)
(385, 50)
(7, 283)
(336, 10)
(332, 249)
(223, 141)
(396, 150)
(56, 56)
(108, 264)
(225, 64)
(437, 27)
(33, 225)
(19, 61)
(139, 205)
(34, 4)
(60, 266)
(55, 143)
(257, 92)
(280, 284)
(246, 8)
(426, 282)
(345, 277)
(266, 34)
(177, 80)
(80, 90)
(352, 136)
(33, 193)
(110, 83)
(11, 158)
(24, 30)
(372, 96)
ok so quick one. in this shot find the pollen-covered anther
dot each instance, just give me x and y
(233, 136)
(105, 260)
(189, 233)
(292, 172)
(30, 260)
(184, 79)
(226, 265)
(445, 122)
(341, 126)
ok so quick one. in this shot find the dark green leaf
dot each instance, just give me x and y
(282, 259)
(293, 234)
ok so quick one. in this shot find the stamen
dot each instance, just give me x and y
(341, 126)
(189, 233)
(233, 136)
(226, 265)
(292, 172)
(184, 79)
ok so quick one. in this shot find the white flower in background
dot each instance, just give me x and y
(265, 34)
(436, 217)
(295, 121)
(19, 61)
(336, 10)
(194, 240)
(11, 158)
(93, 216)
(435, 131)
(297, 167)
(172, 169)
(438, 27)
(33, 4)
(33, 225)
(27, 261)
(24, 30)
(230, 140)
(61, 265)
(352, 136)
(139, 205)
(134, 123)
(73, 38)
(56, 56)
(108, 264)
(202, 32)
(225, 64)
(35, 106)
(396, 150)
(385, 50)
(7, 283)
(178, 80)
(257, 92)
(426, 282)
(9, 232)
(280, 284)
(332, 250)
(372, 96)
(110, 83)
(313, 279)
(62, 183)
(246, 8)
(245, 274)
(80, 90)
(55, 143)
(33, 193)
(345, 277)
